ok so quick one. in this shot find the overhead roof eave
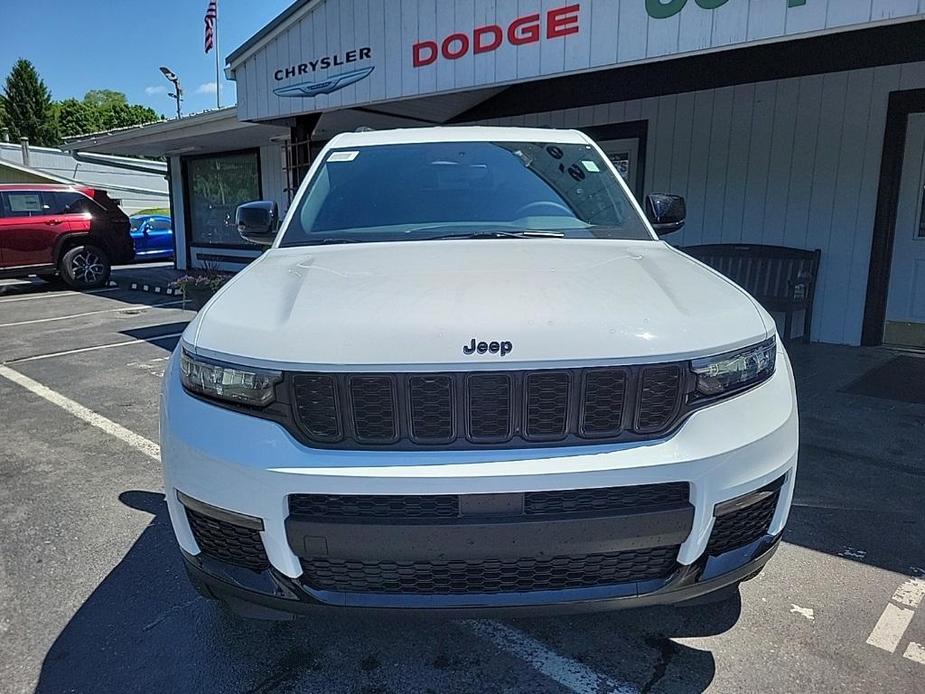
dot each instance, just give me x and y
(201, 133)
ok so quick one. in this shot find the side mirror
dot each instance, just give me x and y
(667, 213)
(258, 222)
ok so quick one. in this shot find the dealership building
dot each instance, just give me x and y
(797, 123)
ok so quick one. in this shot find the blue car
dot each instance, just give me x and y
(153, 237)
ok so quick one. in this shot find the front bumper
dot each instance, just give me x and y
(247, 466)
(272, 595)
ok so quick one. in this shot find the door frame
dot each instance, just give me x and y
(901, 106)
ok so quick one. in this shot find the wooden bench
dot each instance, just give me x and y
(782, 279)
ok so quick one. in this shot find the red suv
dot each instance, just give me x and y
(72, 232)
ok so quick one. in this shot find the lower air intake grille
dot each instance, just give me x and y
(396, 507)
(639, 499)
(489, 575)
(740, 528)
(602, 501)
(228, 542)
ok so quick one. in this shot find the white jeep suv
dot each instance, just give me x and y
(467, 375)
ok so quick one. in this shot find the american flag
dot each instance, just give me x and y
(211, 16)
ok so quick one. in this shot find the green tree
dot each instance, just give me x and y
(124, 115)
(27, 106)
(104, 99)
(77, 118)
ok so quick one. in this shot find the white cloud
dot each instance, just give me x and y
(207, 88)
(151, 91)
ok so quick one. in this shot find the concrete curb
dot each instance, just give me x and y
(150, 288)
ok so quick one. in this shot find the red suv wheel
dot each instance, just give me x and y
(85, 267)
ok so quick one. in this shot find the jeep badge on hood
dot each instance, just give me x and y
(493, 347)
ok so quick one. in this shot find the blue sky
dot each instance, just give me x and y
(106, 44)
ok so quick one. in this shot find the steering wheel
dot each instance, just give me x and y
(556, 208)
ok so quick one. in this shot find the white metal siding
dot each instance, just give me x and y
(611, 32)
(792, 162)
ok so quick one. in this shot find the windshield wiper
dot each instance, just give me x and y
(328, 242)
(500, 234)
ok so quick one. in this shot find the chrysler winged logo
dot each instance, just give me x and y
(332, 84)
(502, 347)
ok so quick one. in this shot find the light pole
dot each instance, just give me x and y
(177, 89)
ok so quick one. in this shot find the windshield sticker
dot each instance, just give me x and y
(343, 156)
(590, 166)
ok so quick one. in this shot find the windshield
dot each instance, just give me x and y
(413, 192)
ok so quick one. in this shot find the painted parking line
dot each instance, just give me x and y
(50, 355)
(891, 626)
(146, 446)
(896, 617)
(910, 593)
(56, 295)
(569, 673)
(915, 652)
(128, 307)
(575, 676)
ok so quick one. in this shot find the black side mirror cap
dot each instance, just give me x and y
(258, 221)
(667, 213)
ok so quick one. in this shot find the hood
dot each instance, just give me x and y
(416, 304)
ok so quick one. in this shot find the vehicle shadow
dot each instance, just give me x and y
(154, 332)
(145, 629)
(861, 474)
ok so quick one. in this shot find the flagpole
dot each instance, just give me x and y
(218, 72)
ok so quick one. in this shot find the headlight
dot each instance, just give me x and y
(239, 384)
(735, 370)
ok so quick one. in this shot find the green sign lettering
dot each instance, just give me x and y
(658, 9)
(663, 9)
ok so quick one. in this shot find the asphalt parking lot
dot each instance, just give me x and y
(93, 597)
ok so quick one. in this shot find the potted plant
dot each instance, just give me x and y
(199, 287)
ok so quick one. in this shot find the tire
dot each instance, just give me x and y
(85, 267)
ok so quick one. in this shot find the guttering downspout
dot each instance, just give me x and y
(90, 159)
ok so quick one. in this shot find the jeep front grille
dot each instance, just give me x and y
(488, 408)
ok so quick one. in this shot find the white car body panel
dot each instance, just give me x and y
(379, 306)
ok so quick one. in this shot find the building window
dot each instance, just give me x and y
(215, 186)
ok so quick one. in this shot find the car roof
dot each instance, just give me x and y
(45, 187)
(470, 133)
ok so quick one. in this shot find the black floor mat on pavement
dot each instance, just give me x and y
(902, 378)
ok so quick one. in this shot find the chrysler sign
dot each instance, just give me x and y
(326, 84)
